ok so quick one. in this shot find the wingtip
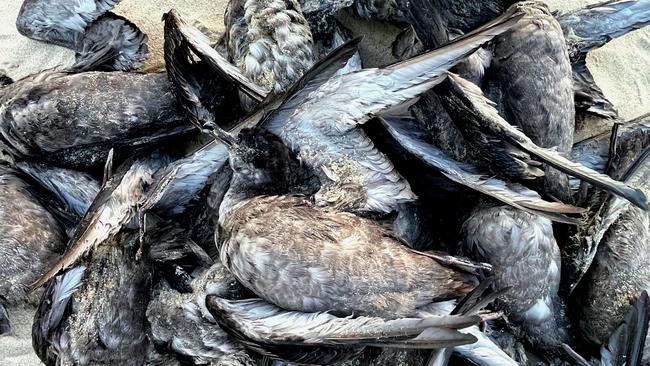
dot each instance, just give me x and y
(59, 266)
(42, 280)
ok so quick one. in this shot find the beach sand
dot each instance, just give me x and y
(620, 68)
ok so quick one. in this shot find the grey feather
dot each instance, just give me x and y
(111, 42)
(480, 111)
(513, 195)
(321, 125)
(76, 189)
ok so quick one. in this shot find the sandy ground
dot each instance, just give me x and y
(16, 348)
(620, 68)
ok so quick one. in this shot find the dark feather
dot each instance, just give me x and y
(111, 42)
(465, 175)
(469, 105)
(5, 324)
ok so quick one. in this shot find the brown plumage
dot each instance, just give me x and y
(303, 258)
(31, 239)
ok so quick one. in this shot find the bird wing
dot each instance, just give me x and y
(189, 37)
(178, 183)
(589, 28)
(485, 116)
(52, 308)
(513, 195)
(346, 101)
(76, 189)
(111, 42)
(263, 322)
(114, 206)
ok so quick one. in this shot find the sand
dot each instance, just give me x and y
(620, 68)
(16, 348)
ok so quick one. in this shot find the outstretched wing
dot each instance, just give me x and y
(513, 195)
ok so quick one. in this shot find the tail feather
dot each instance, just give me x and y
(486, 118)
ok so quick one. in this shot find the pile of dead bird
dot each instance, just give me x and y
(268, 200)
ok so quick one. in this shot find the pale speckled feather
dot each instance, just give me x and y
(270, 41)
(319, 260)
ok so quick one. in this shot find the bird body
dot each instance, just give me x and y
(31, 239)
(270, 41)
(619, 271)
(73, 120)
(530, 80)
(101, 39)
(319, 260)
(105, 321)
(525, 256)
